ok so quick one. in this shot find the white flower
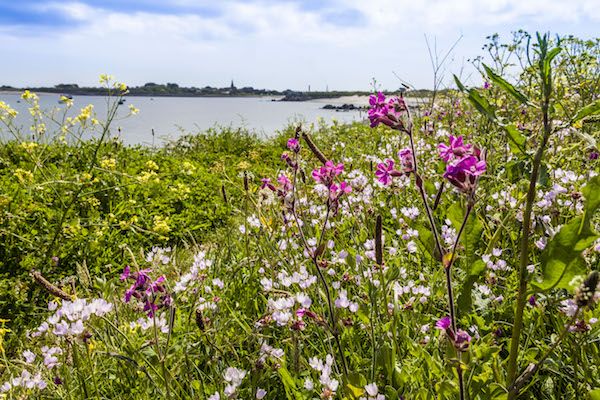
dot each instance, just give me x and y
(29, 356)
(308, 384)
(260, 393)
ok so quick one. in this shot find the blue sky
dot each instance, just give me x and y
(339, 44)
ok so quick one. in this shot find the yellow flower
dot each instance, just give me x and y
(188, 168)
(27, 95)
(105, 78)
(133, 110)
(29, 146)
(85, 114)
(151, 165)
(7, 110)
(67, 101)
(148, 176)
(108, 163)
(243, 165)
(23, 175)
(161, 225)
(122, 87)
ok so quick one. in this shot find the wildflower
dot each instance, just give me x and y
(266, 183)
(234, 376)
(293, 145)
(462, 340)
(464, 164)
(385, 172)
(260, 393)
(372, 392)
(151, 293)
(406, 159)
(327, 173)
(29, 356)
(443, 323)
(387, 112)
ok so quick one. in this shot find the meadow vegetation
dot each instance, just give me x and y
(440, 252)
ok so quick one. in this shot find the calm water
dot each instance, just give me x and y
(171, 117)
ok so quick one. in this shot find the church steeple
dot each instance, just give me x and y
(232, 87)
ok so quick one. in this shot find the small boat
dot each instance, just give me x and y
(121, 101)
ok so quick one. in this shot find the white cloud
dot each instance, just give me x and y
(272, 43)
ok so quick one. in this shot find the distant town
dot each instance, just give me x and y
(174, 90)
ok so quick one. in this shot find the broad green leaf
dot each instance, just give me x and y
(459, 84)
(516, 140)
(471, 235)
(465, 300)
(478, 101)
(587, 111)
(505, 85)
(561, 260)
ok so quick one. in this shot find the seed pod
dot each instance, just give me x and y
(378, 241)
(584, 295)
(199, 319)
(224, 193)
(55, 290)
(315, 150)
(246, 181)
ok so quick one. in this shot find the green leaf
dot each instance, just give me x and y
(472, 231)
(594, 394)
(465, 300)
(561, 260)
(505, 85)
(291, 390)
(586, 111)
(459, 84)
(516, 140)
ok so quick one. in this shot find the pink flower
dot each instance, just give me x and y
(293, 145)
(456, 149)
(406, 159)
(464, 164)
(125, 273)
(286, 184)
(337, 191)
(388, 113)
(266, 183)
(327, 173)
(385, 172)
(443, 323)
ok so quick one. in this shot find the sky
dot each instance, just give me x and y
(275, 44)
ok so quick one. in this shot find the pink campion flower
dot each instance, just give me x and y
(293, 145)
(266, 183)
(465, 164)
(456, 149)
(327, 173)
(462, 340)
(385, 172)
(285, 183)
(388, 112)
(125, 273)
(337, 191)
(152, 294)
(406, 159)
(443, 323)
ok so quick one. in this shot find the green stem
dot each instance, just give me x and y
(524, 247)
